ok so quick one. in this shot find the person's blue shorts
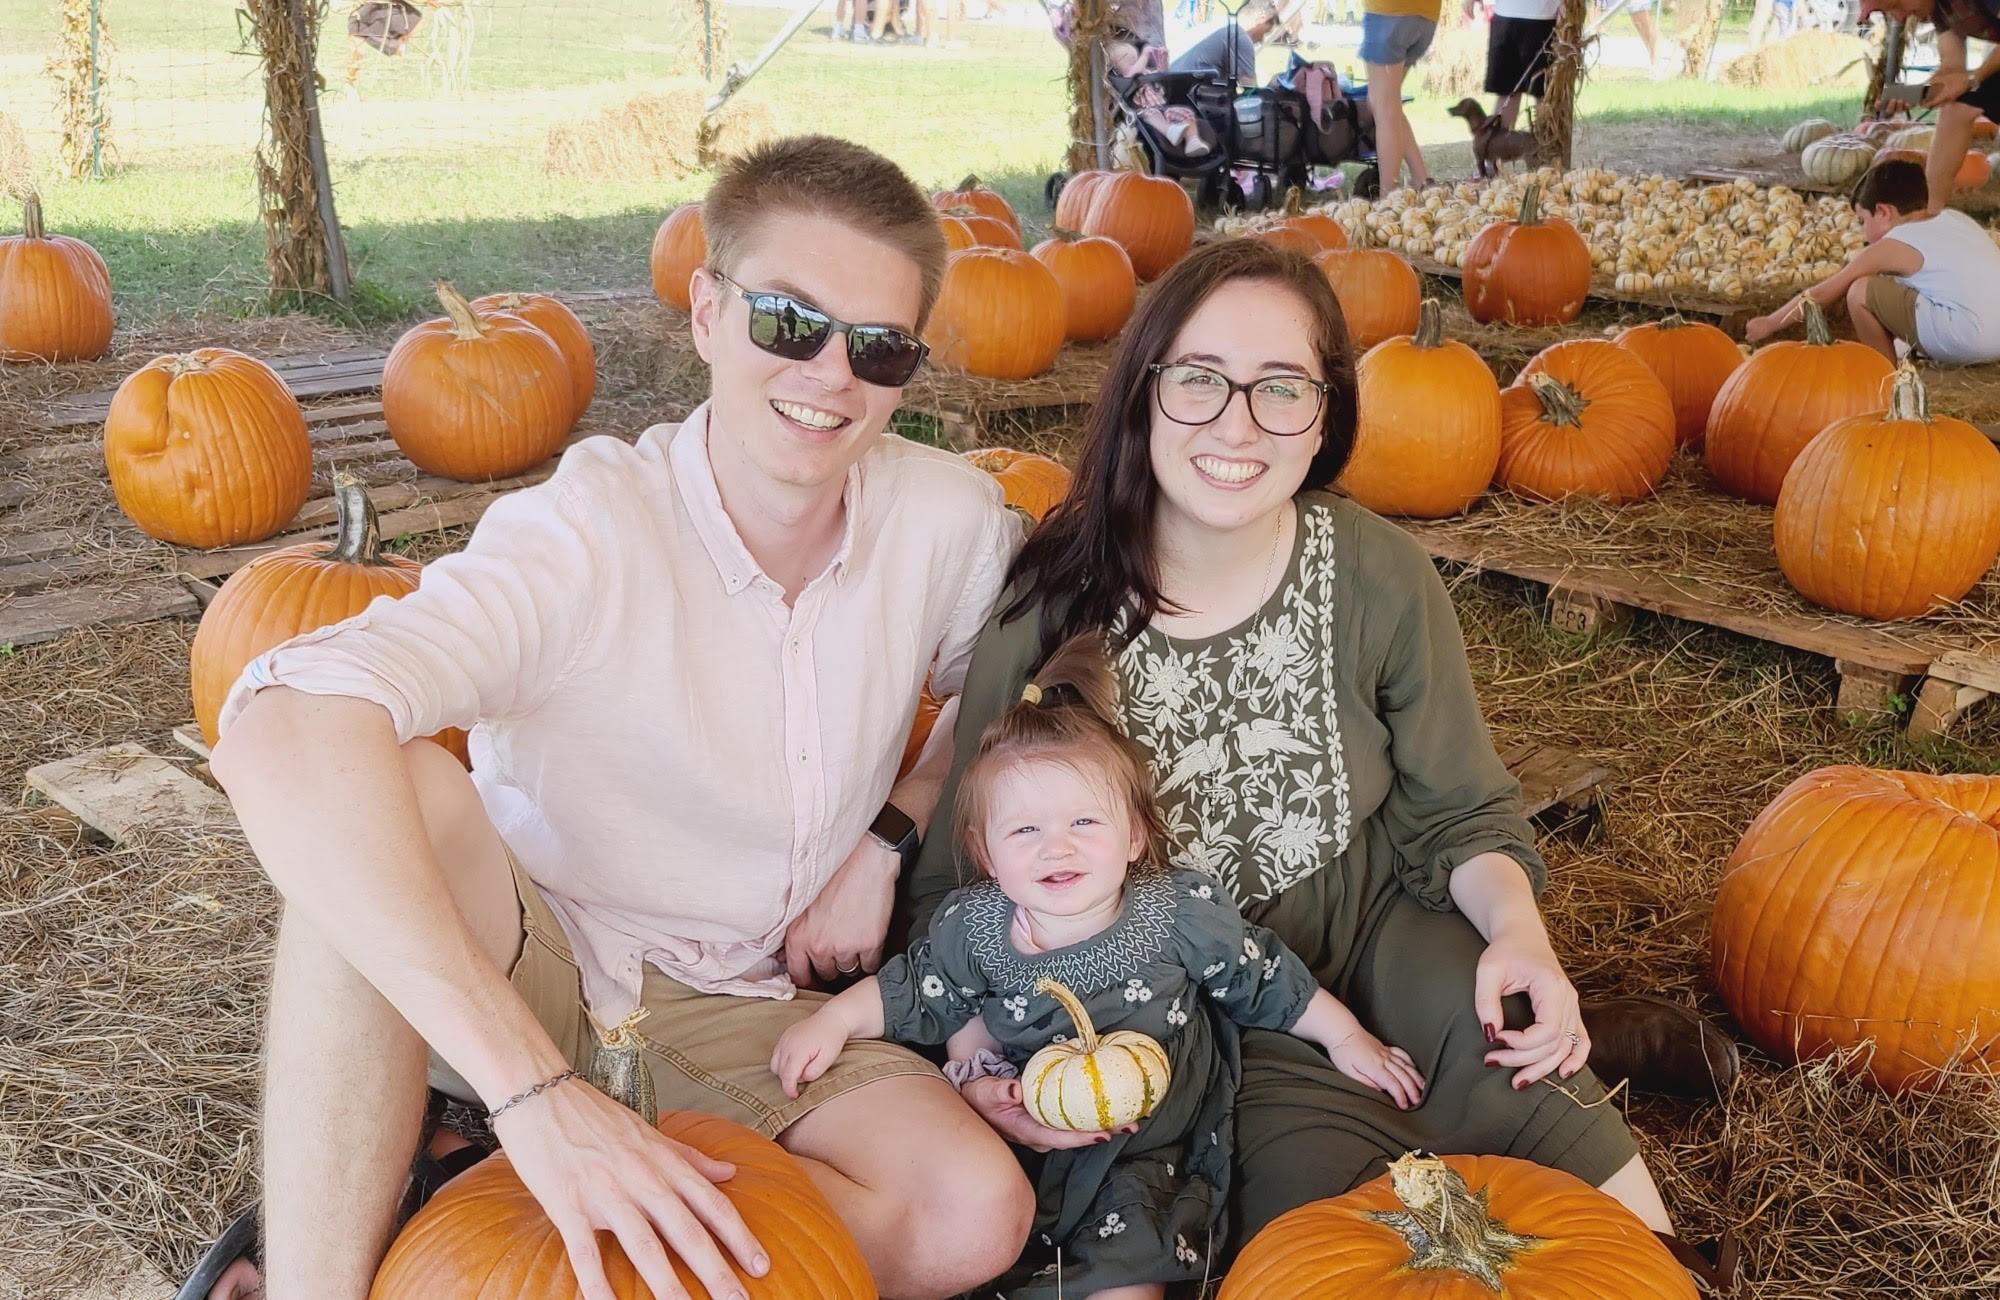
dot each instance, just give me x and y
(1388, 39)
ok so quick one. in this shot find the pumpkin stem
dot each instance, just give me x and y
(1295, 201)
(464, 322)
(1561, 404)
(1067, 236)
(618, 1066)
(1907, 398)
(969, 183)
(31, 216)
(1086, 1032)
(1430, 324)
(1447, 1227)
(357, 535)
(1531, 204)
(186, 363)
(1674, 321)
(1818, 332)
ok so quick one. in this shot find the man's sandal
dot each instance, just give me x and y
(1715, 1265)
(239, 1241)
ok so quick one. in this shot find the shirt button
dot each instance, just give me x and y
(802, 758)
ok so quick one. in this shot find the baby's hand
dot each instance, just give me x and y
(806, 1049)
(1366, 1059)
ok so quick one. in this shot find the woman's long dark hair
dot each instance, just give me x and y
(1093, 555)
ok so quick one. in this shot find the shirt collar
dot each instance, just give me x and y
(688, 454)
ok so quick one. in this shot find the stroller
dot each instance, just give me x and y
(1245, 147)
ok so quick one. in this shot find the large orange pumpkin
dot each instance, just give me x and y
(1693, 360)
(1460, 1228)
(965, 228)
(1861, 905)
(474, 396)
(1984, 128)
(1780, 399)
(1890, 515)
(1973, 171)
(1428, 439)
(297, 590)
(928, 706)
(484, 1237)
(557, 321)
(1585, 418)
(1150, 216)
(679, 246)
(1534, 271)
(1097, 281)
(969, 193)
(1378, 292)
(1031, 484)
(207, 449)
(55, 294)
(1000, 314)
(1073, 203)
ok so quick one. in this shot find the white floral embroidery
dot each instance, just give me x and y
(1251, 952)
(1112, 1225)
(1017, 1006)
(1137, 991)
(1212, 970)
(1060, 1039)
(1185, 1253)
(1136, 939)
(1170, 1171)
(966, 992)
(1176, 1016)
(1270, 968)
(950, 909)
(1244, 735)
(933, 987)
(1204, 891)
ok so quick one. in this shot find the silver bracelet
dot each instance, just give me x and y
(535, 1091)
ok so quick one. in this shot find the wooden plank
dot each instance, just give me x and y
(1967, 668)
(122, 789)
(13, 492)
(1864, 646)
(188, 737)
(356, 370)
(27, 620)
(37, 574)
(92, 449)
(1553, 776)
(428, 517)
(1763, 176)
(37, 546)
(1940, 703)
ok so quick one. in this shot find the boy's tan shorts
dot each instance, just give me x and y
(708, 1052)
(1895, 305)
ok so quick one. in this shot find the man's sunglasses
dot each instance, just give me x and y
(785, 327)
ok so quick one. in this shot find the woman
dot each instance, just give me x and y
(1293, 668)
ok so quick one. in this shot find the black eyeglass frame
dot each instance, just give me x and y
(1320, 386)
(773, 302)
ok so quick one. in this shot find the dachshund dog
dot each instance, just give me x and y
(1492, 142)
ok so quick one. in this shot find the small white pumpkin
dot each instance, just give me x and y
(1093, 1084)
(1804, 133)
(1913, 137)
(1837, 159)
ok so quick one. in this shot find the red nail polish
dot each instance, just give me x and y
(1492, 1034)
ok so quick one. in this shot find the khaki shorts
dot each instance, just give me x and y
(708, 1052)
(1895, 305)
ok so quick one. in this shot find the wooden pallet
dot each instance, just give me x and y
(1765, 176)
(307, 375)
(1729, 316)
(962, 405)
(122, 790)
(1877, 662)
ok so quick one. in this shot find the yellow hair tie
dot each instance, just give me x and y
(1031, 693)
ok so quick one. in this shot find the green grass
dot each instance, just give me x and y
(434, 188)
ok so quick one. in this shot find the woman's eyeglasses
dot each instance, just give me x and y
(1283, 406)
(785, 327)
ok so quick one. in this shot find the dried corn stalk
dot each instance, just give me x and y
(79, 67)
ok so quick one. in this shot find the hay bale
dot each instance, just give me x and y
(1456, 64)
(1802, 62)
(658, 134)
(17, 161)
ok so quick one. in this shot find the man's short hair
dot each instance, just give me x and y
(1258, 11)
(830, 178)
(1899, 183)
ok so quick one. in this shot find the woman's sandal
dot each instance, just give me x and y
(239, 1241)
(1716, 1265)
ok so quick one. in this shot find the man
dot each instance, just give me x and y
(1519, 45)
(692, 661)
(1224, 51)
(1960, 97)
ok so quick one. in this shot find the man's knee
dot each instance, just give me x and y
(988, 1209)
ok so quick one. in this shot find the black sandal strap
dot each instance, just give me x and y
(238, 1240)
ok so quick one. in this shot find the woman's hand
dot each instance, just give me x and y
(998, 1102)
(1520, 961)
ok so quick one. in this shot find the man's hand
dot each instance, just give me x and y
(998, 1102)
(595, 1166)
(842, 931)
(1945, 86)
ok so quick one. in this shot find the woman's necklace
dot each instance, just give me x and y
(1197, 623)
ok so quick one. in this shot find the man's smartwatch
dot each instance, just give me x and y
(894, 830)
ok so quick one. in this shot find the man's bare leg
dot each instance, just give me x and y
(344, 1073)
(936, 1200)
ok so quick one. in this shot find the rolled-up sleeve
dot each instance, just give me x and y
(489, 633)
(1451, 798)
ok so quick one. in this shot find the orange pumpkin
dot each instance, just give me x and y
(1693, 360)
(983, 230)
(207, 449)
(1378, 292)
(1585, 418)
(1031, 484)
(1973, 171)
(1780, 399)
(474, 396)
(1983, 128)
(1301, 231)
(679, 247)
(293, 591)
(1098, 285)
(1459, 1228)
(1428, 439)
(484, 1236)
(969, 193)
(557, 321)
(1073, 203)
(928, 706)
(1000, 314)
(1860, 905)
(55, 294)
(1890, 515)
(1150, 216)
(1534, 271)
